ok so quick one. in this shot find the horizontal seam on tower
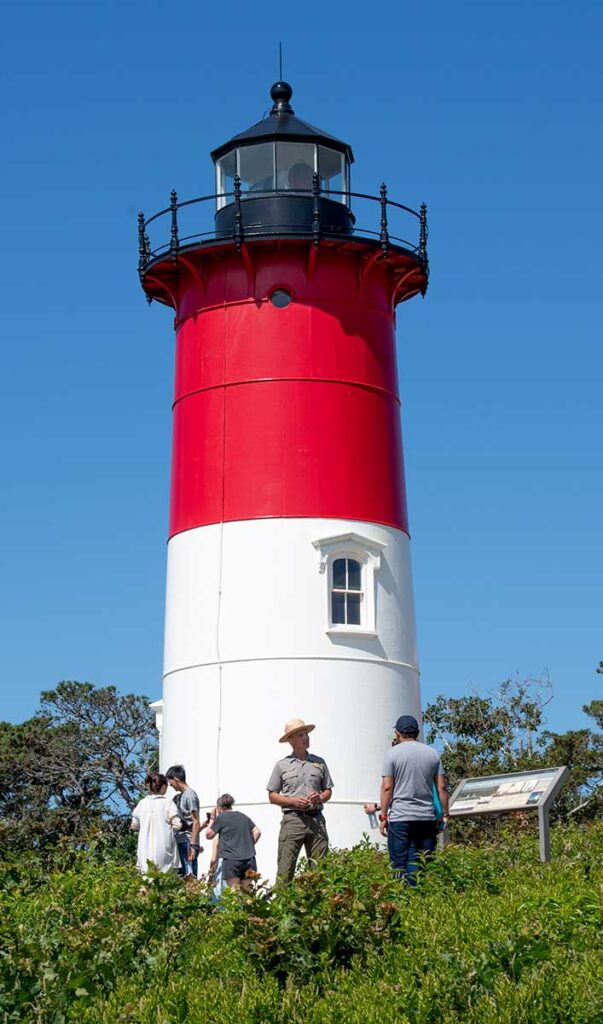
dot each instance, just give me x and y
(332, 802)
(321, 305)
(296, 515)
(289, 380)
(298, 657)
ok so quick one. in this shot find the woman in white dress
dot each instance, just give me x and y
(155, 818)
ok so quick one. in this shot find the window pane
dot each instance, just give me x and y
(225, 172)
(295, 165)
(338, 608)
(256, 167)
(330, 168)
(339, 573)
(354, 575)
(353, 603)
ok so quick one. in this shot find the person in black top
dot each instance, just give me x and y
(238, 836)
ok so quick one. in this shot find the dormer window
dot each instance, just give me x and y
(346, 592)
(350, 563)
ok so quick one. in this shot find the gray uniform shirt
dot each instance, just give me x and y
(293, 777)
(413, 767)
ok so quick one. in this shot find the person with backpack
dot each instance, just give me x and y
(187, 838)
(408, 814)
(372, 809)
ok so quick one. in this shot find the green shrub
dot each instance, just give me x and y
(69, 940)
(346, 908)
(490, 936)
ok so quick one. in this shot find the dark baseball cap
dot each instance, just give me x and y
(407, 723)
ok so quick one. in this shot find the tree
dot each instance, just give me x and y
(80, 761)
(489, 735)
(117, 733)
(582, 751)
(505, 733)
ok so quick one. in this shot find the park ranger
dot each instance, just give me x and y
(300, 783)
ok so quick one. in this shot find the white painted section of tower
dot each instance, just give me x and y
(248, 646)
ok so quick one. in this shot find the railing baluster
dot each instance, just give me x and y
(142, 249)
(384, 232)
(423, 234)
(174, 243)
(316, 208)
(238, 232)
(312, 229)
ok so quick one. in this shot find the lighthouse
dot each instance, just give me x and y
(289, 588)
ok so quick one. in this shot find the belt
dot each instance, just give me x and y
(303, 814)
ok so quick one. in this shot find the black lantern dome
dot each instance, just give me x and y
(279, 167)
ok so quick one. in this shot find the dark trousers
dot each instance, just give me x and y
(187, 867)
(410, 844)
(297, 830)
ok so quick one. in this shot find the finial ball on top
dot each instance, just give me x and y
(281, 93)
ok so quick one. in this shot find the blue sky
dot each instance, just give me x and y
(488, 112)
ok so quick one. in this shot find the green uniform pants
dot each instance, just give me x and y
(297, 830)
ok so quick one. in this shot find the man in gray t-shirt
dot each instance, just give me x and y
(411, 773)
(187, 839)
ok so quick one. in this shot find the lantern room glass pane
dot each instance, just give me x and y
(295, 165)
(256, 167)
(226, 168)
(332, 171)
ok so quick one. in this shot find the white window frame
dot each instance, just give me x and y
(367, 553)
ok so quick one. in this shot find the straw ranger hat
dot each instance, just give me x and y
(295, 725)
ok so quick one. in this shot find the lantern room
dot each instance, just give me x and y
(277, 167)
(284, 180)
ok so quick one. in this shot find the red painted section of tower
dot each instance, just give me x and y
(286, 412)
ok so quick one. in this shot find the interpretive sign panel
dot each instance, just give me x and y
(521, 791)
(518, 791)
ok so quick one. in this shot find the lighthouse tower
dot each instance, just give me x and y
(289, 590)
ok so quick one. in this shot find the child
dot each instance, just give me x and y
(238, 836)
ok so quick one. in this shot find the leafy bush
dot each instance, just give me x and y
(346, 908)
(69, 939)
(490, 936)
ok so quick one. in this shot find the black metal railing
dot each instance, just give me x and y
(316, 229)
